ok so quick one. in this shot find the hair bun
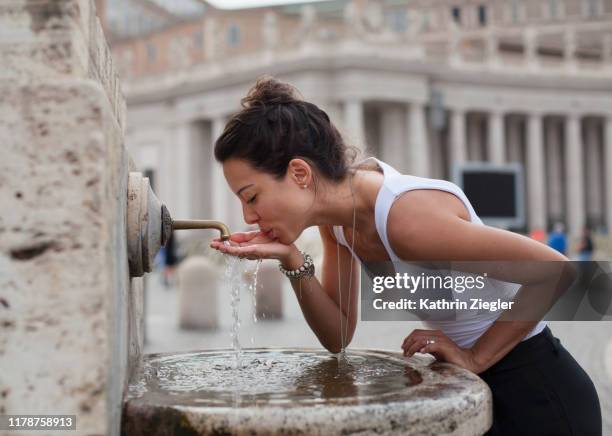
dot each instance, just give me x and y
(269, 91)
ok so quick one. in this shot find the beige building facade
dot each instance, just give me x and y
(422, 85)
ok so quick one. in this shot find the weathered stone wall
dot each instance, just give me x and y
(64, 300)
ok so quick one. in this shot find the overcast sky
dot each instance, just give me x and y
(227, 4)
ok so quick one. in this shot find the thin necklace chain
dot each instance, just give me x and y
(344, 333)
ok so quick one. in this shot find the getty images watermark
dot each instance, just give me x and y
(520, 290)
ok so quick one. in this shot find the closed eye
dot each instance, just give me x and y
(252, 199)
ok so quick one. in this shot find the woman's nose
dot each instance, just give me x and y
(250, 217)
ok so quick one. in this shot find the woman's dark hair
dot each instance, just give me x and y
(276, 125)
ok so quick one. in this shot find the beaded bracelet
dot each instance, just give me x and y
(307, 269)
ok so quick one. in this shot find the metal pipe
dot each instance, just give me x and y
(202, 224)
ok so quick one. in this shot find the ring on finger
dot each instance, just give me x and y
(430, 341)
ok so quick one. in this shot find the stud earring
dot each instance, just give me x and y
(303, 186)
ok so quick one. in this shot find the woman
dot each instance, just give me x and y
(290, 168)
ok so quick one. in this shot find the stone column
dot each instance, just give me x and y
(536, 199)
(220, 192)
(354, 122)
(514, 139)
(554, 171)
(457, 140)
(574, 175)
(593, 173)
(417, 140)
(608, 170)
(436, 139)
(474, 126)
(180, 171)
(393, 144)
(497, 152)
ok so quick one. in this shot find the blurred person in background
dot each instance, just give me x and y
(170, 262)
(538, 235)
(585, 245)
(558, 239)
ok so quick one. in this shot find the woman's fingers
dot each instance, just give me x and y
(235, 239)
(436, 349)
(243, 236)
(250, 251)
(416, 340)
(414, 347)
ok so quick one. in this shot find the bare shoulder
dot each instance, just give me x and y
(421, 203)
(435, 225)
(416, 213)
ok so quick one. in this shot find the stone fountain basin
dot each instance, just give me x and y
(303, 391)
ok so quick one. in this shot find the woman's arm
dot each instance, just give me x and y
(320, 301)
(426, 226)
(324, 311)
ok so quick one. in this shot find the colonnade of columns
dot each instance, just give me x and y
(567, 158)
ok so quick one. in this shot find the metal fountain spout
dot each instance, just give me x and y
(149, 225)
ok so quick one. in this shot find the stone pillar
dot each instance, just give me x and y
(574, 175)
(593, 173)
(417, 140)
(180, 171)
(497, 151)
(458, 150)
(608, 170)
(436, 141)
(554, 171)
(219, 189)
(354, 122)
(66, 341)
(393, 143)
(474, 125)
(514, 139)
(536, 197)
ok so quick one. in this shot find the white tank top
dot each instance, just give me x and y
(469, 325)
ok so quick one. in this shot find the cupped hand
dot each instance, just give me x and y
(253, 245)
(443, 349)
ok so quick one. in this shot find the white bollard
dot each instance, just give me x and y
(269, 297)
(198, 279)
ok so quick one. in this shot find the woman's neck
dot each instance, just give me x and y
(335, 204)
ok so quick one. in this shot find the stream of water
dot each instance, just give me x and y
(234, 274)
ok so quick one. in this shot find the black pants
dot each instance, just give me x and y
(539, 389)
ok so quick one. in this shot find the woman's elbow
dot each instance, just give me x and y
(335, 345)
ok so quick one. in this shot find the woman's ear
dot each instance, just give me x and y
(299, 170)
